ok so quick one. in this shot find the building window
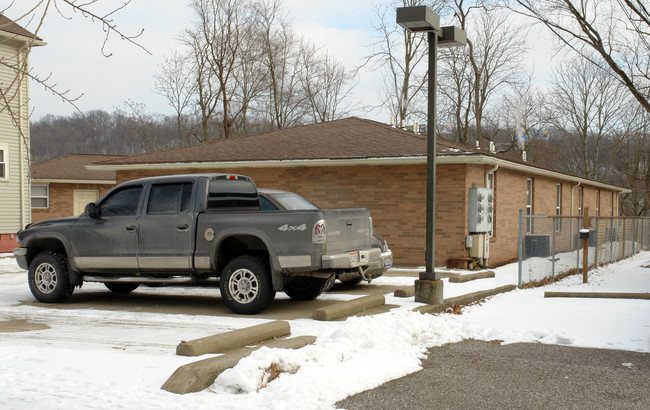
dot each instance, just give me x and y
(40, 196)
(558, 208)
(579, 201)
(3, 163)
(529, 204)
(491, 213)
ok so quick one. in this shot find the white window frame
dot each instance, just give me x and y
(47, 196)
(529, 204)
(558, 207)
(4, 163)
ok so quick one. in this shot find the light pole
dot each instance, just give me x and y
(428, 289)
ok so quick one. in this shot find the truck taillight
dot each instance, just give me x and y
(319, 232)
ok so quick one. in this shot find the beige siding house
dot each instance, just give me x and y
(15, 42)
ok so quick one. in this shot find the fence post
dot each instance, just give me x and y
(611, 241)
(521, 247)
(596, 242)
(624, 229)
(585, 246)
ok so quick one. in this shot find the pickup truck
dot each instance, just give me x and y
(191, 229)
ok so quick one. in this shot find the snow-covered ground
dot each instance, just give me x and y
(90, 358)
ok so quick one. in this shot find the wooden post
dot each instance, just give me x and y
(585, 246)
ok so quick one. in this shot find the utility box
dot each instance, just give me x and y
(481, 206)
(480, 246)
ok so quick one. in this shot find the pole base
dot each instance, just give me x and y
(429, 291)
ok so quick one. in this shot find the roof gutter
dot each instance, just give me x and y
(440, 159)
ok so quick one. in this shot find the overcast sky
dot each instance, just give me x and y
(73, 53)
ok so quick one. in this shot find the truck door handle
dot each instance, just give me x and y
(183, 228)
(131, 228)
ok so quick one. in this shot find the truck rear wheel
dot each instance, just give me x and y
(246, 286)
(48, 278)
(305, 287)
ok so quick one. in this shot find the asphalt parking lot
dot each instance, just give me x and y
(479, 375)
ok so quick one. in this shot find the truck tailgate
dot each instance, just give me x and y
(347, 229)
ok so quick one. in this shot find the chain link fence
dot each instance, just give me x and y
(550, 246)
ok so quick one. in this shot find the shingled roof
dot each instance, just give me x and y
(72, 168)
(350, 138)
(9, 26)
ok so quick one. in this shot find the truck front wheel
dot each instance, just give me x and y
(48, 278)
(305, 287)
(246, 286)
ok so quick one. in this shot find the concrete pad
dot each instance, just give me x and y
(194, 377)
(471, 276)
(602, 295)
(429, 291)
(16, 325)
(231, 340)
(348, 308)
(405, 292)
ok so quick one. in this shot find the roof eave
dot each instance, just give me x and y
(476, 159)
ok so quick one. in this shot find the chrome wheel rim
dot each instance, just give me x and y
(243, 286)
(45, 278)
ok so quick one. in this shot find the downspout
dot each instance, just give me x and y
(489, 172)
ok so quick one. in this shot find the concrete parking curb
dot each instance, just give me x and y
(231, 340)
(405, 292)
(194, 377)
(602, 295)
(350, 307)
(471, 276)
(464, 299)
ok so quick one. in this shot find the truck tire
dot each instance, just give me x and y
(48, 278)
(305, 287)
(121, 287)
(246, 286)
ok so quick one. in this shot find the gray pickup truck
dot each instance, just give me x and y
(191, 229)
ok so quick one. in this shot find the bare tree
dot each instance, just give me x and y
(326, 82)
(609, 33)
(490, 65)
(286, 98)
(586, 108)
(402, 56)
(176, 83)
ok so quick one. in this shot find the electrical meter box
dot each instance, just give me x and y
(481, 207)
(480, 246)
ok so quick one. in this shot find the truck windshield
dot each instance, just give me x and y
(291, 201)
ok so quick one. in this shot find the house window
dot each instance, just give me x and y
(558, 208)
(529, 204)
(3, 163)
(40, 196)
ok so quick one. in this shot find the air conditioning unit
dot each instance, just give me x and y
(481, 206)
(537, 246)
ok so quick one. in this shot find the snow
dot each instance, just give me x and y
(93, 358)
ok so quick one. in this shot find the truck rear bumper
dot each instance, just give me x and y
(353, 259)
(21, 257)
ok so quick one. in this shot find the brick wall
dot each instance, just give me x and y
(62, 200)
(396, 197)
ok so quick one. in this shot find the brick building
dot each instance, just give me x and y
(361, 163)
(63, 186)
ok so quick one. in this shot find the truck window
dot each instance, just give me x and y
(122, 202)
(239, 194)
(169, 198)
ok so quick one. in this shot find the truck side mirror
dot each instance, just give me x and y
(91, 210)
